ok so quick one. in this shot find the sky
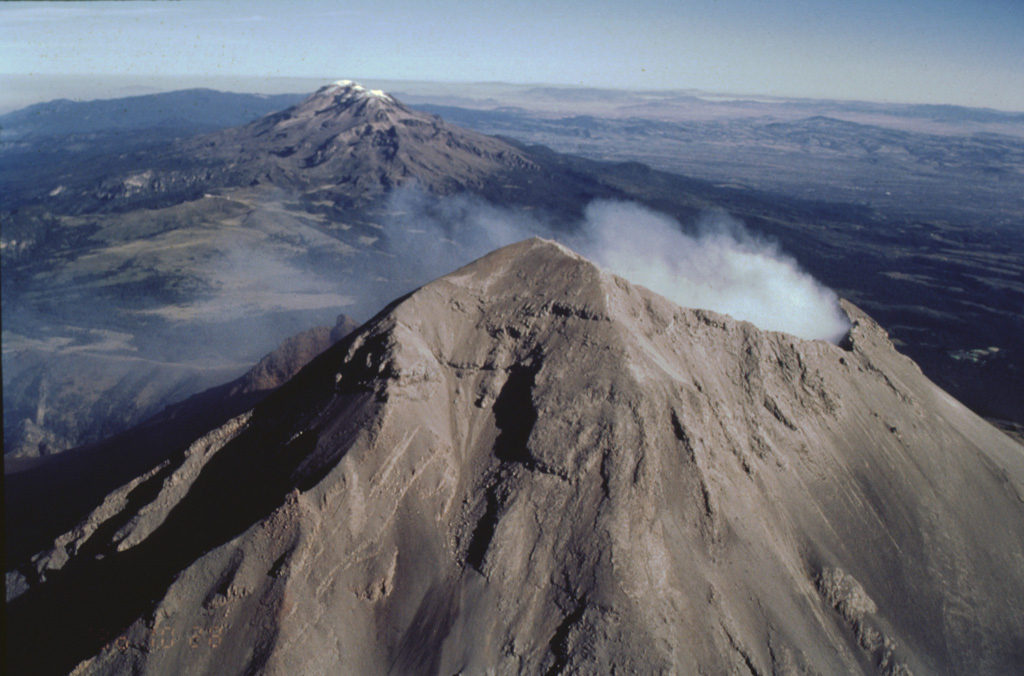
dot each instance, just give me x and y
(965, 52)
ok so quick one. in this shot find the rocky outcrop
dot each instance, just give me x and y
(532, 466)
(279, 366)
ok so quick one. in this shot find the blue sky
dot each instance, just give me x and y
(936, 51)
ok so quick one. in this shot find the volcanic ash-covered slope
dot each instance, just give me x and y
(531, 466)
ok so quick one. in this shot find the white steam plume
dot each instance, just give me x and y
(723, 267)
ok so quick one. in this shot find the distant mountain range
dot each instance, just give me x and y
(819, 156)
(187, 111)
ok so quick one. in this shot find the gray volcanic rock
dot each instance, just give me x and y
(531, 466)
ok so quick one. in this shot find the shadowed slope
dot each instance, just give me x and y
(50, 495)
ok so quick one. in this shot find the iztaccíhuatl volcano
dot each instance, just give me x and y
(361, 141)
(531, 466)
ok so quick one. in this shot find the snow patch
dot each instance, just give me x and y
(355, 90)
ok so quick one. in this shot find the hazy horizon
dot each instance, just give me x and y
(21, 91)
(937, 52)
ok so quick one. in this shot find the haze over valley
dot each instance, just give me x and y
(174, 266)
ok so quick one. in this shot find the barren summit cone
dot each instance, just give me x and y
(531, 466)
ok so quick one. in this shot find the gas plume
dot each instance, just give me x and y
(722, 266)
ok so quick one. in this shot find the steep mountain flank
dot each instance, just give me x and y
(531, 466)
(45, 496)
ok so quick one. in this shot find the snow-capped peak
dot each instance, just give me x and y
(348, 88)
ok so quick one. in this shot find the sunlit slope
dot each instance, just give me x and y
(533, 466)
